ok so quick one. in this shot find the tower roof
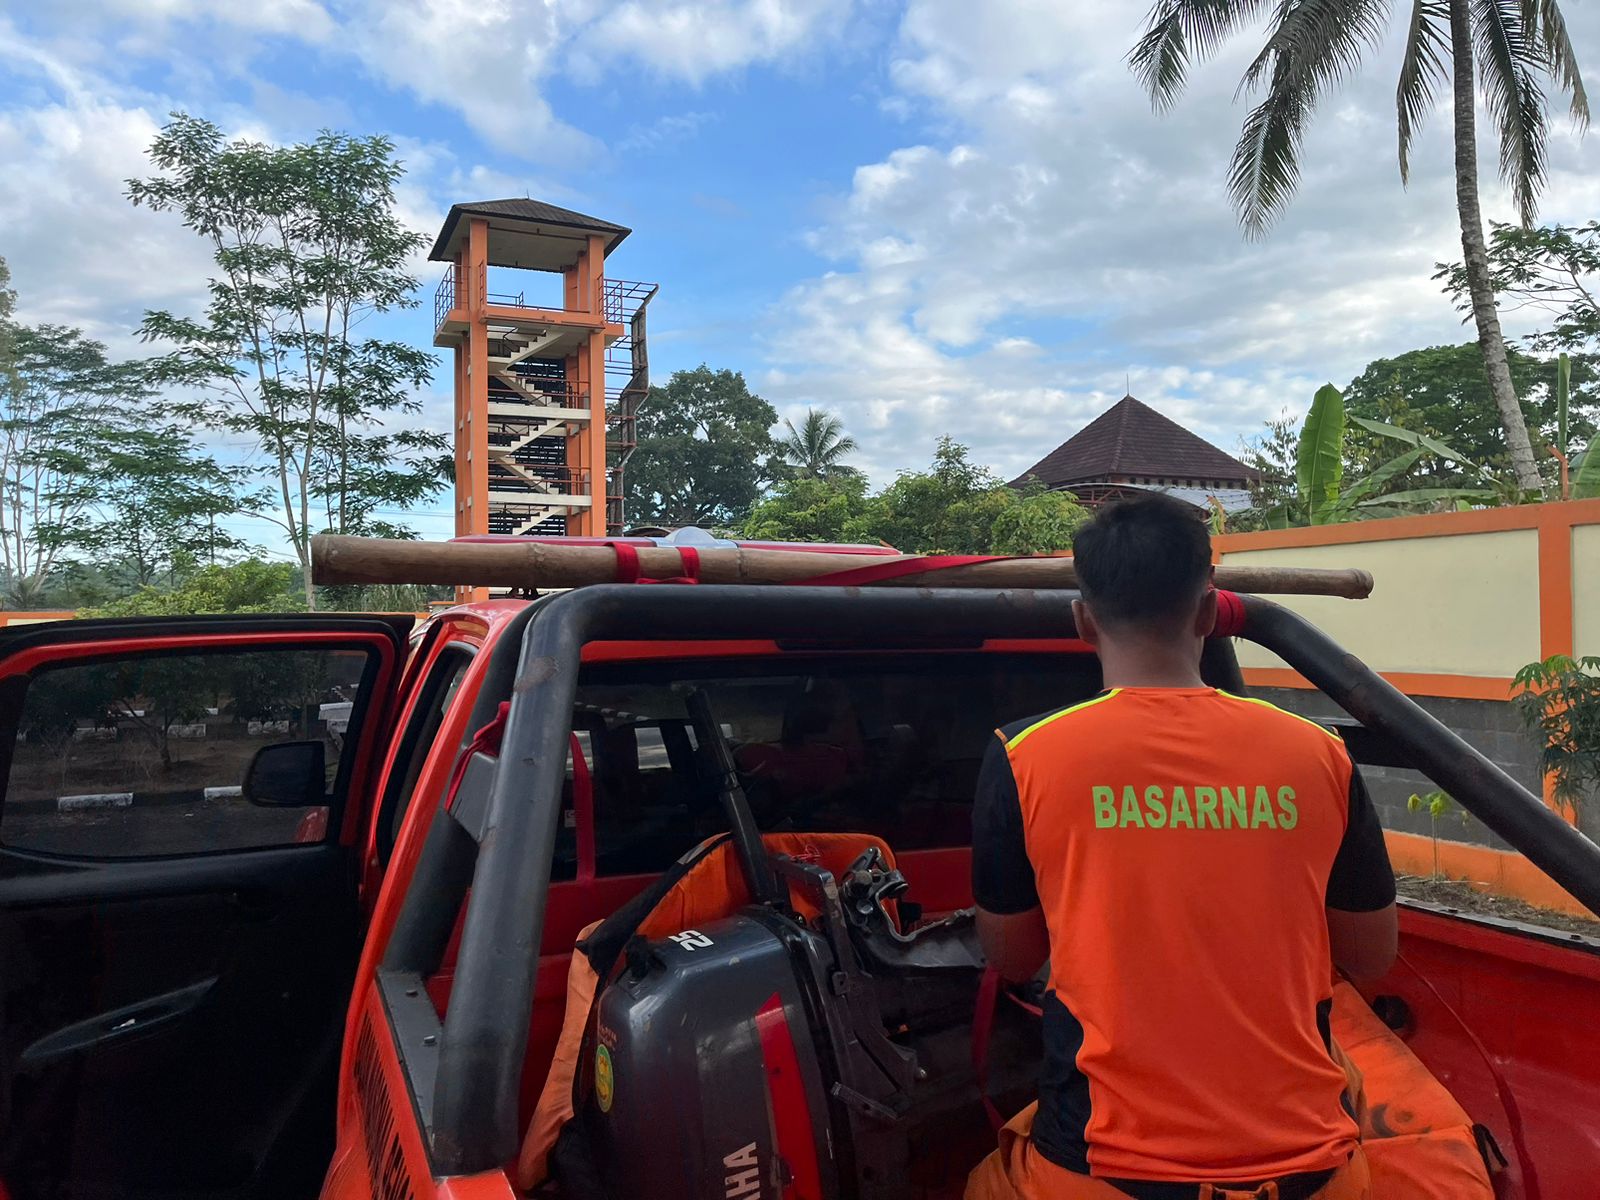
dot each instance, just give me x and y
(1134, 441)
(526, 233)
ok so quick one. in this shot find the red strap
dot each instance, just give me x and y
(982, 1027)
(1230, 615)
(897, 568)
(582, 809)
(487, 740)
(629, 570)
(627, 562)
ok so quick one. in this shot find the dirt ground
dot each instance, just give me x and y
(1454, 894)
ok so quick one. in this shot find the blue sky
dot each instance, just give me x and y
(931, 217)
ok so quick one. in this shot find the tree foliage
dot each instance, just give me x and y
(1441, 391)
(809, 509)
(63, 407)
(1559, 702)
(250, 586)
(1311, 48)
(1308, 481)
(705, 450)
(1552, 269)
(1503, 50)
(307, 246)
(157, 507)
(817, 448)
(954, 507)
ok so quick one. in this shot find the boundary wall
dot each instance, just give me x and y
(1461, 602)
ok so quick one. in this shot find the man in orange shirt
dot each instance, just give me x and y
(1188, 862)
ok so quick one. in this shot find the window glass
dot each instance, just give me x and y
(883, 746)
(439, 692)
(176, 754)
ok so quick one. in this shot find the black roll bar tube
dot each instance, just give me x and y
(1478, 785)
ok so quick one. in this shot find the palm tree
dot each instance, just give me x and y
(817, 446)
(1314, 44)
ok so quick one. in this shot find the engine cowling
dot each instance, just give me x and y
(704, 1077)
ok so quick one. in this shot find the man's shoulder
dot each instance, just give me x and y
(1281, 719)
(1018, 733)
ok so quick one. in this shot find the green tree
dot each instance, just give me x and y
(1037, 522)
(1553, 269)
(1272, 455)
(818, 447)
(251, 586)
(307, 246)
(62, 406)
(157, 505)
(807, 509)
(705, 451)
(1510, 47)
(948, 509)
(1441, 392)
(1558, 700)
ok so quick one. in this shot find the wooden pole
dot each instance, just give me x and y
(529, 564)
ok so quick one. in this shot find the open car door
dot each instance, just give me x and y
(178, 916)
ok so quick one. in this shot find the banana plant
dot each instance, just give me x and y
(1321, 498)
(1584, 475)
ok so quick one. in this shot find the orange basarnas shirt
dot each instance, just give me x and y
(1183, 843)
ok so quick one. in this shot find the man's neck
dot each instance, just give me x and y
(1143, 666)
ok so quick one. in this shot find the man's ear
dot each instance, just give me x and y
(1084, 620)
(1205, 617)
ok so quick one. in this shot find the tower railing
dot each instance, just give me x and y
(444, 298)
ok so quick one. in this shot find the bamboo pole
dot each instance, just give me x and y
(528, 564)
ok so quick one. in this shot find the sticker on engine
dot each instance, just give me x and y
(691, 939)
(605, 1079)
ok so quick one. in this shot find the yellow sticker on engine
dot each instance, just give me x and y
(605, 1080)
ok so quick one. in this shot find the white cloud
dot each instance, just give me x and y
(694, 41)
(666, 130)
(1053, 207)
(80, 254)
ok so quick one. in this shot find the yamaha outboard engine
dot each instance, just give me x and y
(761, 1050)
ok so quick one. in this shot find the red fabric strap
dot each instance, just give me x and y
(1230, 615)
(896, 569)
(629, 570)
(487, 740)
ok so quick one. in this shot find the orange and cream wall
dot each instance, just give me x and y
(1461, 602)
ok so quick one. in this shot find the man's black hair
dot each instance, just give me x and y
(1143, 560)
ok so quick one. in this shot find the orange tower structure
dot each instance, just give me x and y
(547, 385)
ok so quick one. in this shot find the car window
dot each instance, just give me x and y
(883, 746)
(151, 754)
(416, 743)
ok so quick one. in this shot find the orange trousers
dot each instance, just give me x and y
(1016, 1171)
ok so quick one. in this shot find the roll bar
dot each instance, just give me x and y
(480, 1055)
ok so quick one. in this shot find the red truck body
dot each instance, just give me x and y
(197, 996)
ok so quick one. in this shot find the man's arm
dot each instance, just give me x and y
(1011, 924)
(1016, 944)
(1363, 929)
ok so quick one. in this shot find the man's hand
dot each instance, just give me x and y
(1364, 944)
(1015, 944)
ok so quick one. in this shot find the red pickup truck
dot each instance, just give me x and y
(290, 903)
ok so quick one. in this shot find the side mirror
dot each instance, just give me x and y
(287, 775)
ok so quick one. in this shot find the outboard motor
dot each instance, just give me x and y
(762, 1051)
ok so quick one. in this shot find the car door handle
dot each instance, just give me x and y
(133, 1020)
